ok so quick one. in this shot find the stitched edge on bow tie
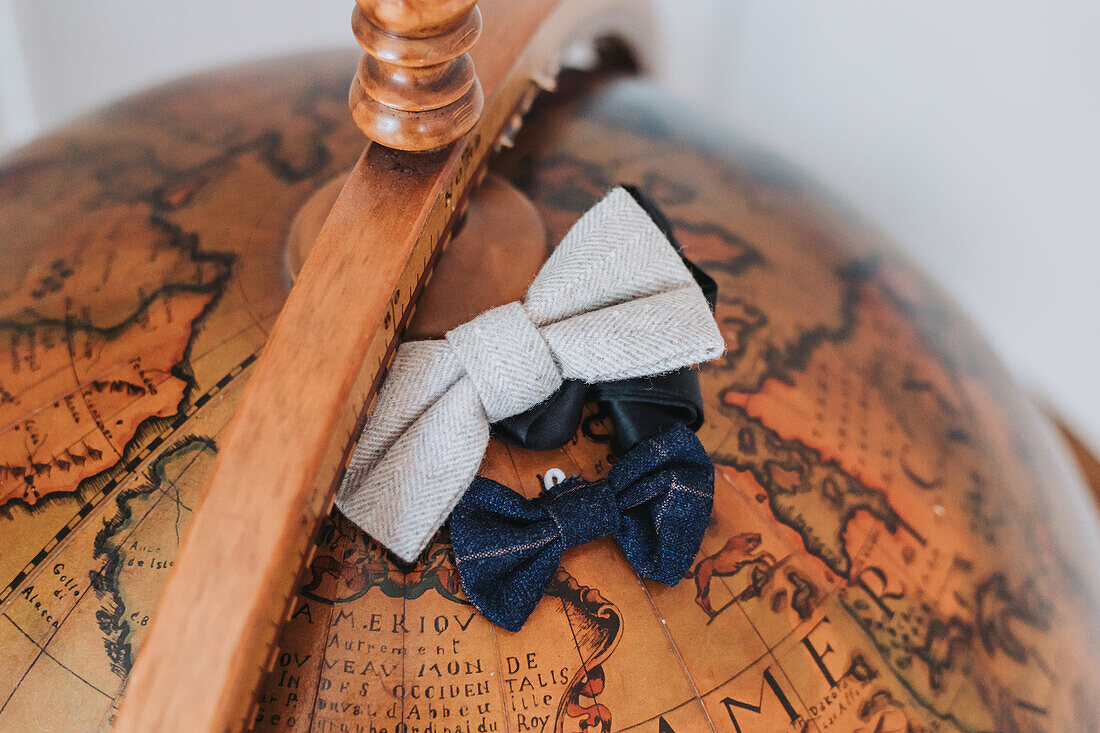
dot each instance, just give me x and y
(677, 486)
(502, 551)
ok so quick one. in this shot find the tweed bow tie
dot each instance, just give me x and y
(614, 301)
(638, 408)
(655, 502)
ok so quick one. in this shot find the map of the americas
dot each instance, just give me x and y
(898, 543)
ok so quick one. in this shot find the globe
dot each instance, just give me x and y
(900, 540)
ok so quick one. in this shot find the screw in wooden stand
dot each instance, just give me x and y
(416, 88)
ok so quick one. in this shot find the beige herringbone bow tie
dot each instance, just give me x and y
(614, 301)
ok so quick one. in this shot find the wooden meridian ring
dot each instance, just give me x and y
(333, 340)
(498, 250)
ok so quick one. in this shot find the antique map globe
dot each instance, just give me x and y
(899, 541)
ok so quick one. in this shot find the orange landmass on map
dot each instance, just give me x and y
(72, 397)
(877, 413)
(103, 266)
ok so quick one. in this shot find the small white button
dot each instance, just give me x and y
(552, 478)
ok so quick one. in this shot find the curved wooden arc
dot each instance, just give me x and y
(1086, 459)
(469, 277)
(277, 470)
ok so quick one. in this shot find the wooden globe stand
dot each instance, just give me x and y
(239, 568)
(499, 247)
(416, 88)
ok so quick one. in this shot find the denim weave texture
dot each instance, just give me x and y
(655, 502)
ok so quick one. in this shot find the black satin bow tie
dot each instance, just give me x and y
(655, 502)
(638, 408)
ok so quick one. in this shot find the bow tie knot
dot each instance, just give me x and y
(506, 335)
(581, 511)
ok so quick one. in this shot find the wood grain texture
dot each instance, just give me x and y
(469, 277)
(416, 88)
(277, 470)
(416, 18)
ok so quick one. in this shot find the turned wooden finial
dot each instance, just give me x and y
(416, 88)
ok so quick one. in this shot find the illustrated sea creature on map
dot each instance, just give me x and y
(593, 716)
(740, 551)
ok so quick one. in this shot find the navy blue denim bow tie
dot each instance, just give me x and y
(655, 502)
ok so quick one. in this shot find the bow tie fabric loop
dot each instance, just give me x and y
(655, 502)
(582, 512)
(639, 408)
(614, 301)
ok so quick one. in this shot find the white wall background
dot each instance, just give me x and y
(968, 131)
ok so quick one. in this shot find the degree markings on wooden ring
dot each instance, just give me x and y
(433, 238)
